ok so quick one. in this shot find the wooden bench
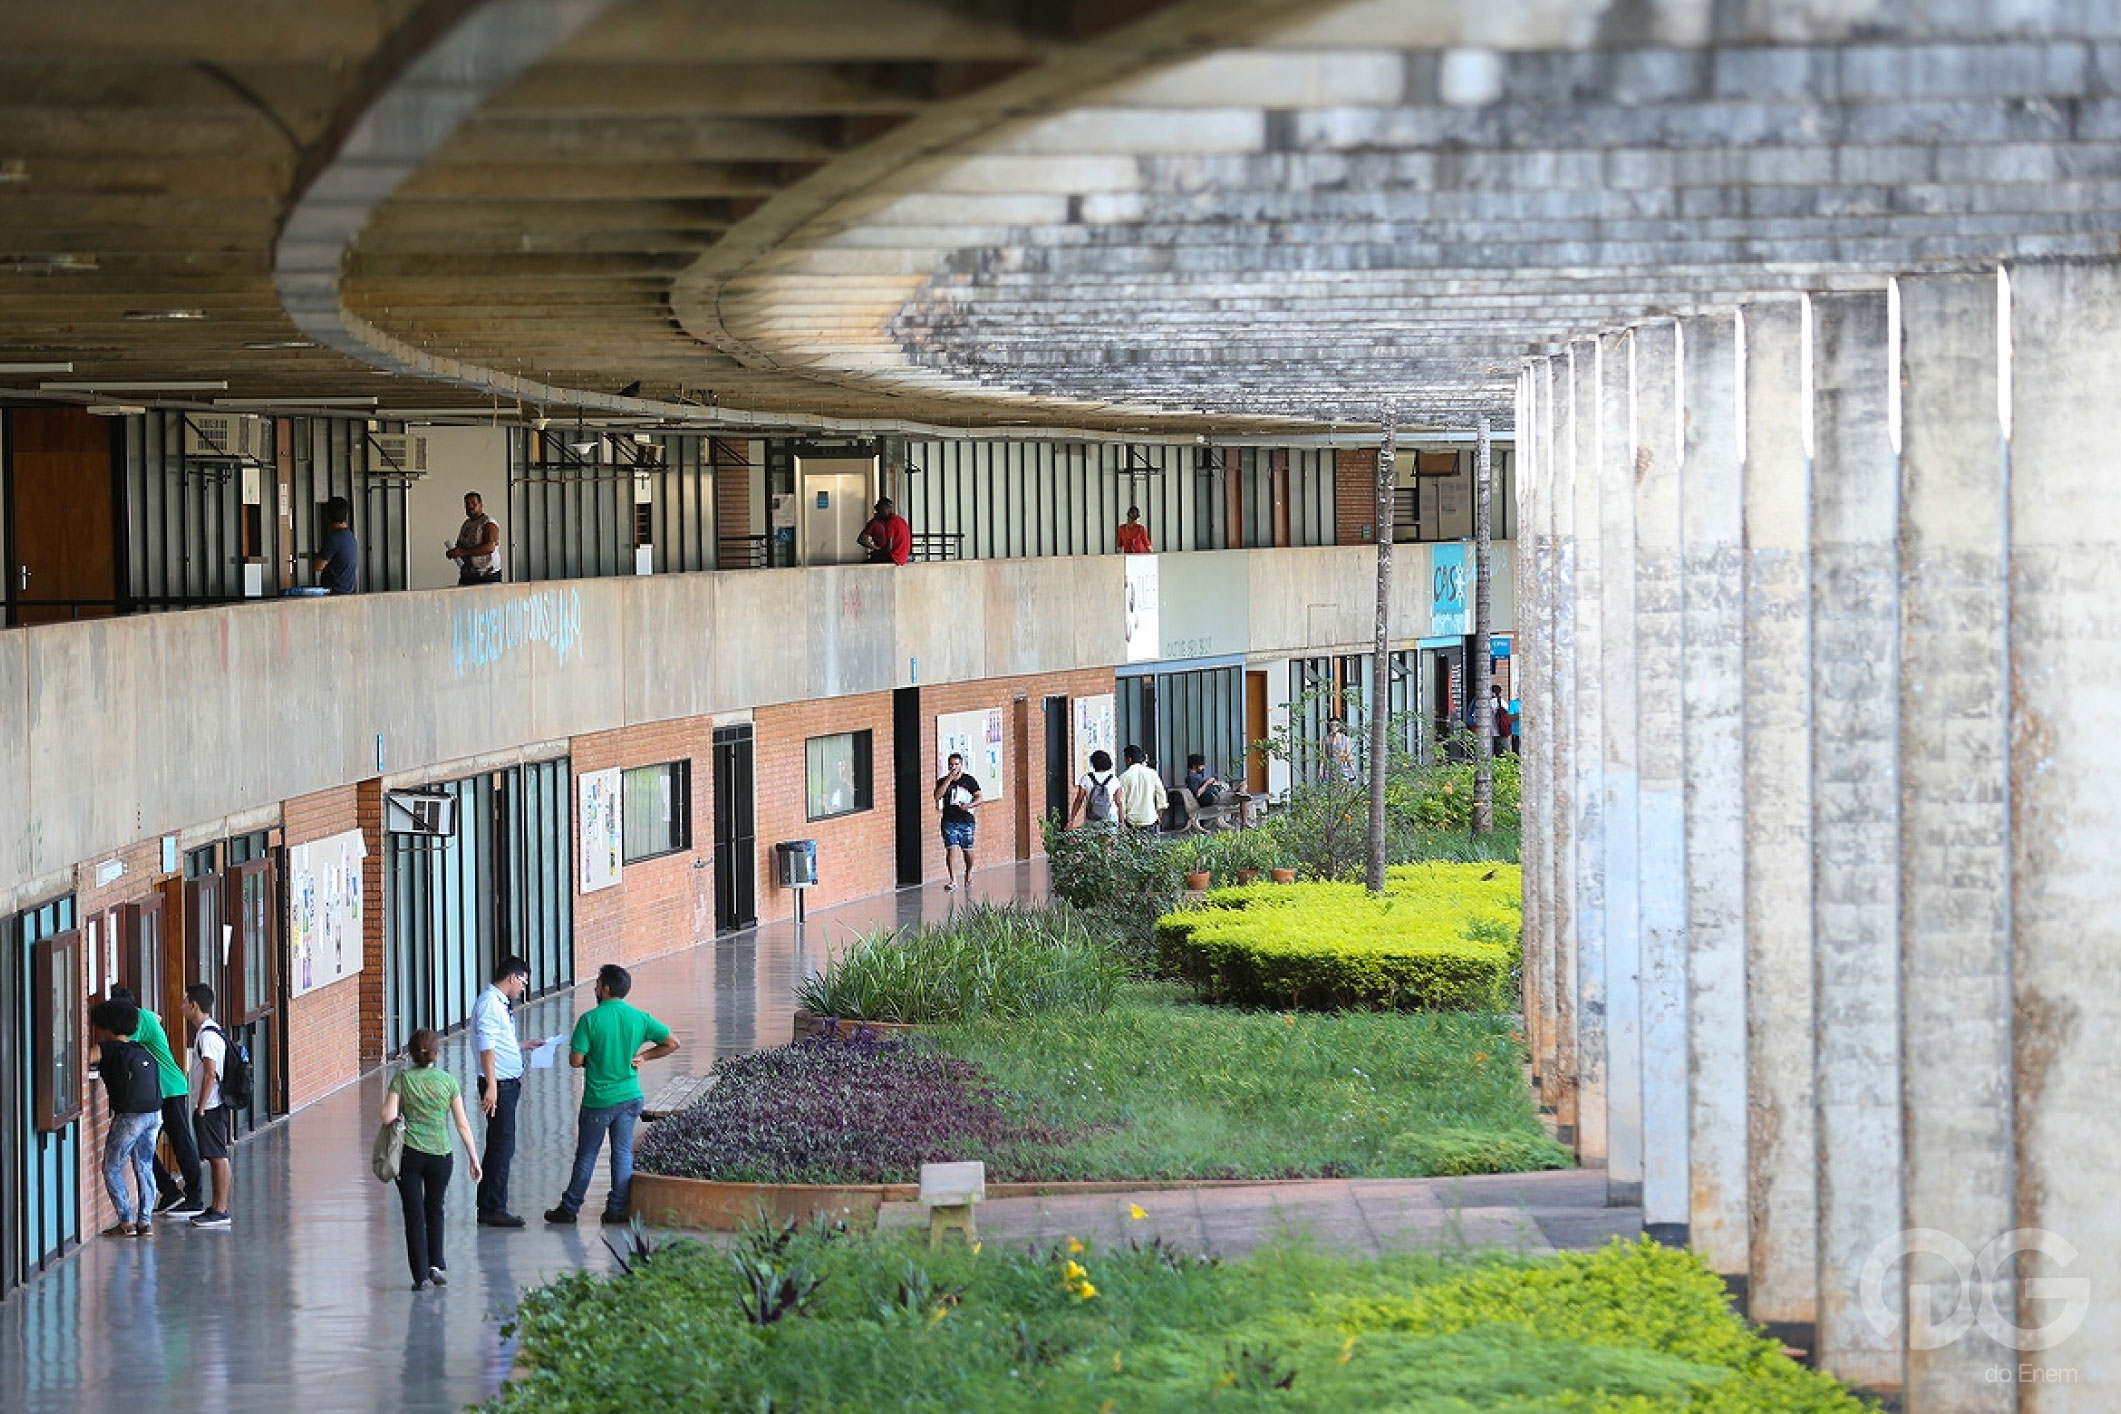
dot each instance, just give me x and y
(1203, 819)
(682, 1093)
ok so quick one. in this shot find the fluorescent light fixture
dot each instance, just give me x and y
(21, 368)
(115, 410)
(280, 344)
(156, 316)
(144, 385)
(44, 261)
(296, 402)
(14, 169)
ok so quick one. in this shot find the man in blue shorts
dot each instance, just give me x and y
(957, 793)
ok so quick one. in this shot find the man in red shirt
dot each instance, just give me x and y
(1134, 536)
(887, 537)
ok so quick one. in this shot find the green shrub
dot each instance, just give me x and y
(1442, 937)
(989, 960)
(1454, 1153)
(1120, 880)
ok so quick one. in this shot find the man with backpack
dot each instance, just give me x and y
(1094, 802)
(183, 1195)
(134, 1085)
(220, 1081)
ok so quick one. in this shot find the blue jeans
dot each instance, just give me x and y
(619, 1121)
(130, 1143)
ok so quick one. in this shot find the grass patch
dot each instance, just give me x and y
(882, 1323)
(989, 960)
(1442, 937)
(1161, 1088)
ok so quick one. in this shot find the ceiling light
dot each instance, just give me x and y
(115, 409)
(582, 449)
(148, 385)
(152, 316)
(262, 344)
(334, 402)
(20, 368)
(47, 260)
(14, 169)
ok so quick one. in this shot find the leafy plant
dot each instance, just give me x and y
(989, 960)
(768, 1289)
(1120, 880)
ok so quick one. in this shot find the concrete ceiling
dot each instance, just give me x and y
(1194, 215)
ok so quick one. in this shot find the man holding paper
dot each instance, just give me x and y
(493, 1030)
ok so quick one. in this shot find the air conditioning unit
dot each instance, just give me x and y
(230, 436)
(429, 813)
(397, 454)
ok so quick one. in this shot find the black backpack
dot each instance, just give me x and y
(237, 1083)
(1098, 806)
(132, 1077)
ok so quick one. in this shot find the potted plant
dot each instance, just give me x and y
(1250, 852)
(1197, 857)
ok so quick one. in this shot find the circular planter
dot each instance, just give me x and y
(1248, 876)
(809, 1024)
(1199, 880)
(1282, 876)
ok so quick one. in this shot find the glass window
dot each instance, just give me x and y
(60, 1054)
(657, 809)
(836, 774)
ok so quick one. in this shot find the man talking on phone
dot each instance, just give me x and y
(957, 793)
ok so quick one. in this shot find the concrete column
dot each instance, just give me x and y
(1554, 748)
(1535, 552)
(1712, 492)
(1782, 1285)
(1661, 772)
(1856, 822)
(1587, 753)
(1623, 942)
(1954, 829)
(2064, 417)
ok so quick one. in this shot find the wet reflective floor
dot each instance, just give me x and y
(305, 1303)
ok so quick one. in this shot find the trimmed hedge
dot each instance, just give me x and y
(1443, 937)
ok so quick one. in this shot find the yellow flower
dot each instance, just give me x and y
(1287, 1020)
(1117, 1367)
(937, 1314)
(1072, 1272)
(1085, 1291)
(1074, 1247)
(1347, 1351)
(1226, 1379)
(1136, 1212)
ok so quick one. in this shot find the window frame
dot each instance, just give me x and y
(56, 961)
(249, 953)
(679, 778)
(863, 751)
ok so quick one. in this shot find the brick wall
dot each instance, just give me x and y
(368, 813)
(857, 854)
(1354, 495)
(325, 1028)
(732, 487)
(661, 904)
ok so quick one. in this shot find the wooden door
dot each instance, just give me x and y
(62, 521)
(1255, 730)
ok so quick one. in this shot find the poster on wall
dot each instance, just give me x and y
(324, 943)
(1143, 622)
(1096, 729)
(603, 838)
(976, 736)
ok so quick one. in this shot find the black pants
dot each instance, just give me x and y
(500, 1146)
(423, 1180)
(176, 1127)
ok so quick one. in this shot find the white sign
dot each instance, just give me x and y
(1141, 626)
(603, 834)
(1096, 729)
(324, 907)
(976, 736)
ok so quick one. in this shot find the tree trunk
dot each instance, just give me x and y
(1381, 654)
(1483, 758)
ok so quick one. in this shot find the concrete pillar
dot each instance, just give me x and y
(1712, 482)
(1553, 750)
(1587, 753)
(1660, 758)
(1856, 823)
(2064, 419)
(1782, 1284)
(1622, 867)
(1954, 832)
(1533, 655)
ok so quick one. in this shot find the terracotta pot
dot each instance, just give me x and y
(1282, 876)
(1248, 876)
(1199, 879)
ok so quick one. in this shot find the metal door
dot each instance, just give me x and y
(832, 506)
(735, 831)
(1060, 757)
(40, 1211)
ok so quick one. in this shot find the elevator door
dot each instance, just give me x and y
(736, 847)
(832, 506)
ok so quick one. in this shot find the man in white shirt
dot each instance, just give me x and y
(493, 1033)
(209, 1116)
(1142, 798)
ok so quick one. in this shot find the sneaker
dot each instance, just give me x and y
(143, 1229)
(117, 1230)
(559, 1216)
(185, 1208)
(499, 1220)
(167, 1201)
(611, 1217)
(419, 1286)
(438, 1276)
(211, 1218)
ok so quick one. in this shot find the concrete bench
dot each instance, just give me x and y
(682, 1093)
(1204, 819)
(949, 1192)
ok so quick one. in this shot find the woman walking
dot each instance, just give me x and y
(430, 1101)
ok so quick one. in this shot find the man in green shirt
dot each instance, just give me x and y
(606, 1048)
(178, 1201)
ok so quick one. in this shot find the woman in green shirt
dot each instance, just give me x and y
(429, 1100)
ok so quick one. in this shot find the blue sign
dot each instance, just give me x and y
(1448, 586)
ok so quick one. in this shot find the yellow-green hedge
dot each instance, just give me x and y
(1442, 938)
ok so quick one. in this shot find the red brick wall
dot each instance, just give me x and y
(1354, 495)
(368, 812)
(857, 854)
(325, 1028)
(663, 904)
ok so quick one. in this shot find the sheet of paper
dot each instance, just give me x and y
(543, 1057)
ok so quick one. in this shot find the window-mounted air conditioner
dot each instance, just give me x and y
(416, 812)
(397, 454)
(214, 436)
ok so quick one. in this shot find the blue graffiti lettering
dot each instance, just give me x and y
(481, 636)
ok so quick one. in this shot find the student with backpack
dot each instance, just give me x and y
(183, 1194)
(133, 1083)
(220, 1081)
(1094, 802)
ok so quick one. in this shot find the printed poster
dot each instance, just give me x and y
(324, 941)
(977, 736)
(602, 829)
(1096, 729)
(1142, 624)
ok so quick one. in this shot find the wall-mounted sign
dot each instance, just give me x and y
(324, 902)
(602, 829)
(976, 736)
(1096, 729)
(1143, 623)
(1449, 588)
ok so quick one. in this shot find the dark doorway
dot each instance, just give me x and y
(736, 847)
(909, 790)
(1060, 758)
(61, 521)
